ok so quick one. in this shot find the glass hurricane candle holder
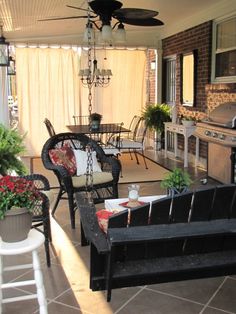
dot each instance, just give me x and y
(133, 192)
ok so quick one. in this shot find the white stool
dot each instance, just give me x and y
(34, 240)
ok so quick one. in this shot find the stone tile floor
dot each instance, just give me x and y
(67, 280)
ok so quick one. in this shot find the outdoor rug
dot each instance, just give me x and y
(131, 172)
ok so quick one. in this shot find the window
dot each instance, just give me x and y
(188, 79)
(224, 50)
(170, 79)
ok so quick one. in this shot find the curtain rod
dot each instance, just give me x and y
(75, 47)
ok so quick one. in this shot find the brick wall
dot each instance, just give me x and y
(152, 77)
(208, 96)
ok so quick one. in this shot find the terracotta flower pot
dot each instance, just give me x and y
(16, 225)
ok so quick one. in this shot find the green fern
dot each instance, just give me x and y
(11, 145)
(155, 115)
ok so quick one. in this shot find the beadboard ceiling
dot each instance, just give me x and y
(20, 19)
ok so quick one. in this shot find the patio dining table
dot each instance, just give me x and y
(104, 128)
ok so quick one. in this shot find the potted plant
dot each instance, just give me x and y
(11, 145)
(178, 181)
(18, 197)
(188, 120)
(155, 115)
(95, 120)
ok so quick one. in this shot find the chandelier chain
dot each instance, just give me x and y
(89, 170)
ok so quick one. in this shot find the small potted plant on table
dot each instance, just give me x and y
(95, 120)
(188, 120)
(178, 181)
(18, 197)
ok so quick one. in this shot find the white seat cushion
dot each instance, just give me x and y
(127, 143)
(98, 178)
(111, 151)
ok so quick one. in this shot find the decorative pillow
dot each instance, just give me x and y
(65, 157)
(81, 158)
(103, 216)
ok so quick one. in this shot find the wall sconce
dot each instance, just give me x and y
(4, 52)
(11, 69)
(153, 65)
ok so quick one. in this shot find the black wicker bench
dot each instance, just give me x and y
(189, 236)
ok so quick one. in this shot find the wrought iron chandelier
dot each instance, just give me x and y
(93, 75)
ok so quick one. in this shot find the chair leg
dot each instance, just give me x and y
(144, 159)
(57, 200)
(72, 210)
(48, 238)
(136, 157)
(46, 245)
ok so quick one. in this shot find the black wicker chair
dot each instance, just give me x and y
(68, 184)
(41, 215)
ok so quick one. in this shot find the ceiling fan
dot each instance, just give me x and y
(105, 10)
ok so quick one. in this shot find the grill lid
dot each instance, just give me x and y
(223, 115)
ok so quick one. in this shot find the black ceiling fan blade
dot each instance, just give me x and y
(142, 22)
(103, 7)
(64, 18)
(133, 13)
(71, 6)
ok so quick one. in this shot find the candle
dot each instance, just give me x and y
(133, 195)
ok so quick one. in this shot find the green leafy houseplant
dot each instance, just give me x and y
(95, 116)
(95, 120)
(177, 181)
(11, 145)
(17, 192)
(155, 115)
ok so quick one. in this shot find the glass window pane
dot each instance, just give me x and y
(188, 78)
(226, 34)
(226, 63)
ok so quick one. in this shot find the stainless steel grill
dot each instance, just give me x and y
(219, 131)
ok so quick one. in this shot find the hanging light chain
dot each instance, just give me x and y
(89, 169)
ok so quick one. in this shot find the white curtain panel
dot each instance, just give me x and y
(47, 87)
(125, 96)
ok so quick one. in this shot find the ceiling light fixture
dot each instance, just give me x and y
(4, 50)
(106, 33)
(94, 76)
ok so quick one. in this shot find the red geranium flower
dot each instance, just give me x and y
(18, 192)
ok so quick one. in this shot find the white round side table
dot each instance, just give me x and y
(34, 240)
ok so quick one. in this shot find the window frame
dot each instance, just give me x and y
(220, 79)
(195, 55)
(172, 58)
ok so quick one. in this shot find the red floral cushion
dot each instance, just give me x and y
(103, 216)
(65, 157)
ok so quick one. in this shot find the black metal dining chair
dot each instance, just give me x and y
(136, 143)
(82, 120)
(49, 126)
